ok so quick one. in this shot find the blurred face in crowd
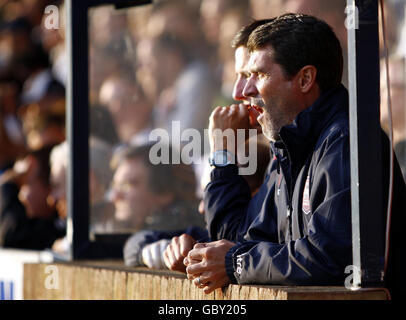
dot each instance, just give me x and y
(58, 186)
(158, 67)
(34, 192)
(131, 194)
(263, 9)
(398, 98)
(127, 105)
(275, 94)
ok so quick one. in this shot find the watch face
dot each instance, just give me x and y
(220, 158)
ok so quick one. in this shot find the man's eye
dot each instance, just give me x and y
(262, 75)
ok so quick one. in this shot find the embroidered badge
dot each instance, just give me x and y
(306, 197)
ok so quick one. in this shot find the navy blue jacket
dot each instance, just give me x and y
(297, 229)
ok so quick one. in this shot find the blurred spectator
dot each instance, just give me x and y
(211, 15)
(102, 64)
(265, 9)
(59, 164)
(27, 221)
(401, 46)
(101, 211)
(102, 125)
(129, 107)
(393, 16)
(178, 18)
(43, 117)
(157, 197)
(397, 74)
(333, 13)
(111, 51)
(184, 88)
(12, 143)
(100, 175)
(53, 41)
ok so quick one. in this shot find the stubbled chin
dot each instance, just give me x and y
(261, 121)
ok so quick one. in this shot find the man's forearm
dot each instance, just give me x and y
(226, 201)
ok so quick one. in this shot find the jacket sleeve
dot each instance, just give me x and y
(319, 257)
(226, 200)
(134, 245)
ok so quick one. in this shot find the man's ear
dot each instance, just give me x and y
(307, 78)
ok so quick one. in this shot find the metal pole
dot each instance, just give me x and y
(352, 89)
(367, 190)
(77, 127)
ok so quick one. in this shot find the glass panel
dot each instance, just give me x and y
(165, 65)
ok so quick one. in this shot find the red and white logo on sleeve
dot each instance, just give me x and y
(306, 197)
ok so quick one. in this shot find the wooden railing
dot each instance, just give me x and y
(111, 280)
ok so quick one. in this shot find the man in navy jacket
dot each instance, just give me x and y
(297, 228)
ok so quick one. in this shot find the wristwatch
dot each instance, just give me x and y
(221, 158)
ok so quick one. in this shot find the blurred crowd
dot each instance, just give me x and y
(148, 66)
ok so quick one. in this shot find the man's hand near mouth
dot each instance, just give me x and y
(234, 117)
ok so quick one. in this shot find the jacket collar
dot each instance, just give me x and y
(300, 137)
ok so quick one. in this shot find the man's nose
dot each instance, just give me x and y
(250, 90)
(238, 89)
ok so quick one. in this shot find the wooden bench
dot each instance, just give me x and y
(109, 280)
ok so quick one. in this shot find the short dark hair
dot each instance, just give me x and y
(241, 38)
(299, 40)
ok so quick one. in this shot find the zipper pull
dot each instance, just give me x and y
(289, 211)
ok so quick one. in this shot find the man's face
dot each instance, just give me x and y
(241, 70)
(133, 200)
(269, 89)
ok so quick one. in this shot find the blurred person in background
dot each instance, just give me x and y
(15, 47)
(401, 45)
(59, 163)
(12, 140)
(397, 69)
(394, 11)
(211, 15)
(102, 125)
(155, 197)
(178, 18)
(333, 12)
(101, 211)
(110, 52)
(181, 86)
(128, 106)
(43, 114)
(102, 64)
(53, 42)
(100, 175)
(27, 221)
(264, 9)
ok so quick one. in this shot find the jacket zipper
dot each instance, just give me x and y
(290, 195)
